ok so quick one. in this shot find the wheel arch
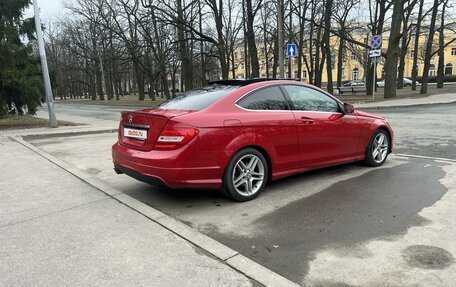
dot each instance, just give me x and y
(390, 136)
(260, 149)
(265, 155)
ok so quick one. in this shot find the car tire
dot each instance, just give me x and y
(378, 148)
(245, 175)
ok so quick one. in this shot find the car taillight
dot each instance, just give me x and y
(174, 138)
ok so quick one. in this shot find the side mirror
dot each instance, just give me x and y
(348, 108)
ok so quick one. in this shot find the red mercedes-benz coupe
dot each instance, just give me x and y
(237, 135)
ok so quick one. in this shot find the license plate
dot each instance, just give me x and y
(135, 133)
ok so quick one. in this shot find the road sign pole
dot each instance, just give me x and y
(291, 68)
(374, 80)
(280, 38)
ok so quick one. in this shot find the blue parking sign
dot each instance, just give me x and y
(291, 50)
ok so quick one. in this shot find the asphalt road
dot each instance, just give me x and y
(341, 226)
(428, 131)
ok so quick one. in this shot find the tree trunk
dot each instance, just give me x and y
(441, 64)
(139, 79)
(416, 45)
(203, 65)
(403, 52)
(253, 52)
(182, 47)
(98, 77)
(317, 61)
(310, 66)
(340, 56)
(265, 45)
(392, 52)
(326, 36)
(275, 60)
(427, 56)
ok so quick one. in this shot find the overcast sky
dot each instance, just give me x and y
(48, 9)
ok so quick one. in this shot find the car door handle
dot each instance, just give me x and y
(307, 121)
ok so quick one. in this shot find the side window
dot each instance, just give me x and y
(265, 99)
(308, 99)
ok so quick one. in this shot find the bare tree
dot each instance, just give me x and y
(326, 43)
(405, 41)
(342, 10)
(428, 52)
(441, 53)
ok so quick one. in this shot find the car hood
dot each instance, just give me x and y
(368, 115)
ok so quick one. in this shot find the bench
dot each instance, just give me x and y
(359, 89)
(352, 90)
(343, 90)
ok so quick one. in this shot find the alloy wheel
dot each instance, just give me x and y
(380, 148)
(248, 175)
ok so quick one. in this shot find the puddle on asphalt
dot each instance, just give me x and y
(382, 203)
(427, 257)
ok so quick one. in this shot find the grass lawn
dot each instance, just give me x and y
(26, 122)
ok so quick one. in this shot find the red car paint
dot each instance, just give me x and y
(292, 141)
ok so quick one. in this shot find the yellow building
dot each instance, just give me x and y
(353, 67)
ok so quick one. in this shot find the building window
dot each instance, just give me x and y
(353, 56)
(453, 51)
(355, 73)
(412, 53)
(343, 72)
(448, 69)
(432, 70)
(304, 74)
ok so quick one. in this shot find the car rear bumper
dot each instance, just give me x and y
(159, 168)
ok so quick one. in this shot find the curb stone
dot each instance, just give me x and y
(403, 106)
(222, 252)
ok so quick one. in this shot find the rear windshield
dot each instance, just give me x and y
(197, 99)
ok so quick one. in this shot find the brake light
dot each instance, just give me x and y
(174, 138)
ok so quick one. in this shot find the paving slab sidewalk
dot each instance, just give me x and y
(56, 230)
(447, 98)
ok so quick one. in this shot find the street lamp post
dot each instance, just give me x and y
(44, 67)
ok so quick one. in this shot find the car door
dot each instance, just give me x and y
(325, 134)
(269, 122)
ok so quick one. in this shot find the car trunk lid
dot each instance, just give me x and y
(140, 129)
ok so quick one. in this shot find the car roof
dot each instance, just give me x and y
(245, 82)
